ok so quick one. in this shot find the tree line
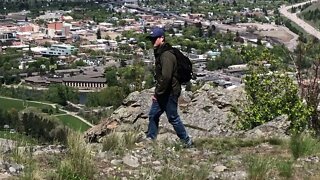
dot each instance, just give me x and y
(56, 93)
(121, 81)
(246, 54)
(312, 15)
(33, 123)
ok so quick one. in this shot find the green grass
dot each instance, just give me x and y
(120, 143)
(258, 167)
(303, 145)
(73, 122)
(17, 137)
(19, 105)
(285, 168)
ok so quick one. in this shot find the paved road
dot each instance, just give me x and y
(284, 10)
(54, 106)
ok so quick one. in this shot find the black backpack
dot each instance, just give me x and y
(184, 74)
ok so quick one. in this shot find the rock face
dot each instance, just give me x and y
(275, 128)
(205, 113)
(6, 145)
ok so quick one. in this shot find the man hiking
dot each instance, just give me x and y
(168, 88)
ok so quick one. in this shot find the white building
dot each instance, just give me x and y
(127, 2)
(59, 50)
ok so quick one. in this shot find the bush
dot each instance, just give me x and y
(42, 127)
(269, 95)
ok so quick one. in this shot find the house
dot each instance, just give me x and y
(59, 50)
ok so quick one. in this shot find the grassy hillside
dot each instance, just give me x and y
(8, 104)
(73, 122)
(69, 120)
(120, 156)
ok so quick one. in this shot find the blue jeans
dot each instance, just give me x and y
(170, 107)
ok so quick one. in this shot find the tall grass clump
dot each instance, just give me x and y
(302, 145)
(118, 143)
(285, 168)
(22, 153)
(258, 167)
(187, 174)
(78, 163)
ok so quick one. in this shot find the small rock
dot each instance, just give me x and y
(212, 176)
(12, 170)
(219, 168)
(157, 168)
(143, 159)
(131, 161)
(116, 162)
(156, 162)
(237, 175)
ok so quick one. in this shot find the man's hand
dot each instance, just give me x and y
(154, 98)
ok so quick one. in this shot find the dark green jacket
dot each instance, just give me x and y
(166, 72)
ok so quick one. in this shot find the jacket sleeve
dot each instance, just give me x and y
(167, 60)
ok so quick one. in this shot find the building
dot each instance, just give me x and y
(127, 2)
(79, 82)
(59, 50)
(57, 29)
(83, 82)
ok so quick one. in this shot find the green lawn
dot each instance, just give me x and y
(73, 122)
(19, 105)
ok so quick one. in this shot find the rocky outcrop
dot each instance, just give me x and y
(205, 112)
(275, 128)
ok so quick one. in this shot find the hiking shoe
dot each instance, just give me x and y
(188, 144)
(144, 141)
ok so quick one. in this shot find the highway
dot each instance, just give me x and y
(284, 10)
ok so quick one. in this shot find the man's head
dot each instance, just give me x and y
(156, 36)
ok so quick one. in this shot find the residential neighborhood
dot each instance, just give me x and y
(55, 34)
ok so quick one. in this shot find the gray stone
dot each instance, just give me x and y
(275, 128)
(116, 162)
(12, 170)
(157, 168)
(156, 162)
(18, 167)
(219, 168)
(131, 161)
(6, 145)
(213, 176)
(237, 175)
